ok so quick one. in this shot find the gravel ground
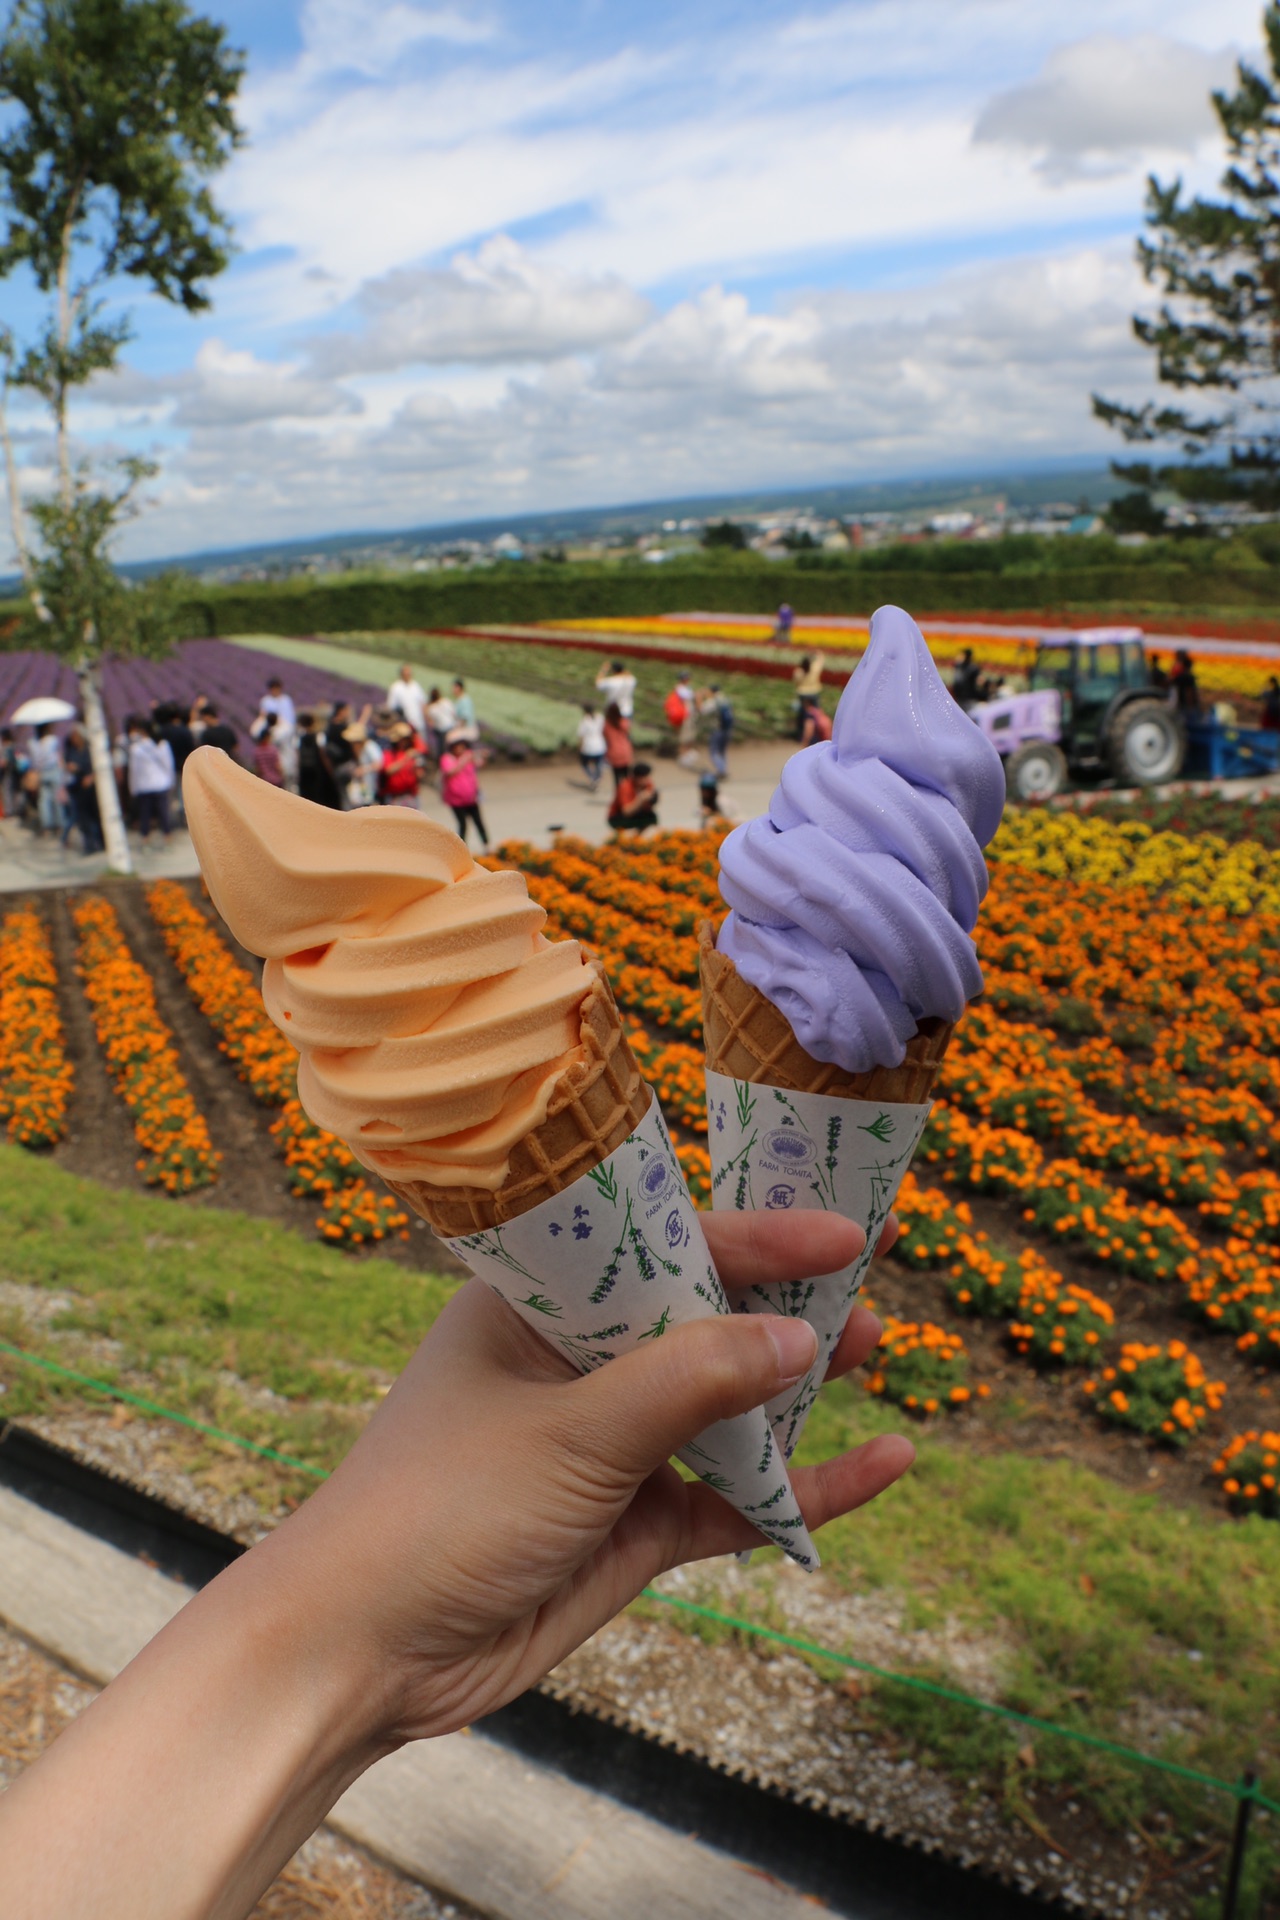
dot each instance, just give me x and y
(181, 1468)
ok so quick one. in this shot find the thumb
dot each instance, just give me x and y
(646, 1405)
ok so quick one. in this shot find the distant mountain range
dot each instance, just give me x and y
(1028, 487)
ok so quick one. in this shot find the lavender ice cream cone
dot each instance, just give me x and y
(834, 985)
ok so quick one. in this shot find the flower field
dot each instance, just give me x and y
(177, 1153)
(1082, 1314)
(1095, 1206)
(353, 1214)
(1243, 674)
(1114, 1095)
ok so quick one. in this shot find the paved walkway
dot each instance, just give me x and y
(528, 802)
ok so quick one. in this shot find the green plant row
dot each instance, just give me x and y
(544, 592)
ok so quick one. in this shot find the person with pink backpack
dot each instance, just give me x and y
(460, 784)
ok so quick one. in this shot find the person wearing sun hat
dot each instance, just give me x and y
(460, 784)
(399, 778)
(364, 767)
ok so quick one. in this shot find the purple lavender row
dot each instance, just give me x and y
(234, 678)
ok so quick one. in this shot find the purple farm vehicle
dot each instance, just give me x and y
(1090, 708)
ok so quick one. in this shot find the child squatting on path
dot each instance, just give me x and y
(352, 1629)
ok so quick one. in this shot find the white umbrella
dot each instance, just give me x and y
(36, 713)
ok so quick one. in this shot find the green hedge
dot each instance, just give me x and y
(527, 594)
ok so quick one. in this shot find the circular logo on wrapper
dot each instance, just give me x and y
(791, 1148)
(779, 1196)
(657, 1178)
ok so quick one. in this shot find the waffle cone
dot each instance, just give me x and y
(748, 1038)
(596, 1103)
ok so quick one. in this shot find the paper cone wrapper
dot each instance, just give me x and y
(616, 1259)
(786, 1131)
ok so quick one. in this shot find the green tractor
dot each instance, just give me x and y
(1090, 708)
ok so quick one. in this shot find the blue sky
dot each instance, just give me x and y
(517, 256)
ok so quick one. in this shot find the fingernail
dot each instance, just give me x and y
(796, 1344)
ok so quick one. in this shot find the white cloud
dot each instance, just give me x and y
(985, 366)
(370, 37)
(710, 153)
(714, 344)
(232, 388)
(1100, 104)
(497, 304)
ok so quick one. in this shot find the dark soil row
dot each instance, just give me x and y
(251, 1177)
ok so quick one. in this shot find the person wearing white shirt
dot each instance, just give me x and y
(151, 777)
(278, 707)
(618, 685)
(363, 770)
(405, 696)
(279, 716)
(441, 717)
(46, 760)
(591, 744)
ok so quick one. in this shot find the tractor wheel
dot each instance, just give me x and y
(1146, 743)
(1035, 772)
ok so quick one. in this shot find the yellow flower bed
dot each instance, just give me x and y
(1242, 674)
(1201, 871)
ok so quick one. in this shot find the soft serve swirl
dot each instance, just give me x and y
(431, 1016)
(854, 897)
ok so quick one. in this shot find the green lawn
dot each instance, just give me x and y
(531, 690)
(1122, 1613)
(537, 717)
(195, 1295)
(1110, 1610)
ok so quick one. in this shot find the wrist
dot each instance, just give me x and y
(297, 1634)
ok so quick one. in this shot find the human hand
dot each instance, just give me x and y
(500, 1508)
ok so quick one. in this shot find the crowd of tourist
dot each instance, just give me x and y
(330, 754)
(419, 735)
(380, 756)
(693, 714)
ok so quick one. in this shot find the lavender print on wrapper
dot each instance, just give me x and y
(780, 1150)
(613, 1262)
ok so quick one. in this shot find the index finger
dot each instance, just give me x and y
(754, 1249)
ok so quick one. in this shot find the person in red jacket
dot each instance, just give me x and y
(681, 710)
(398, 781)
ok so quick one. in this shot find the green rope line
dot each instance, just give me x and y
(164, 1413)
(1238, 1791)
